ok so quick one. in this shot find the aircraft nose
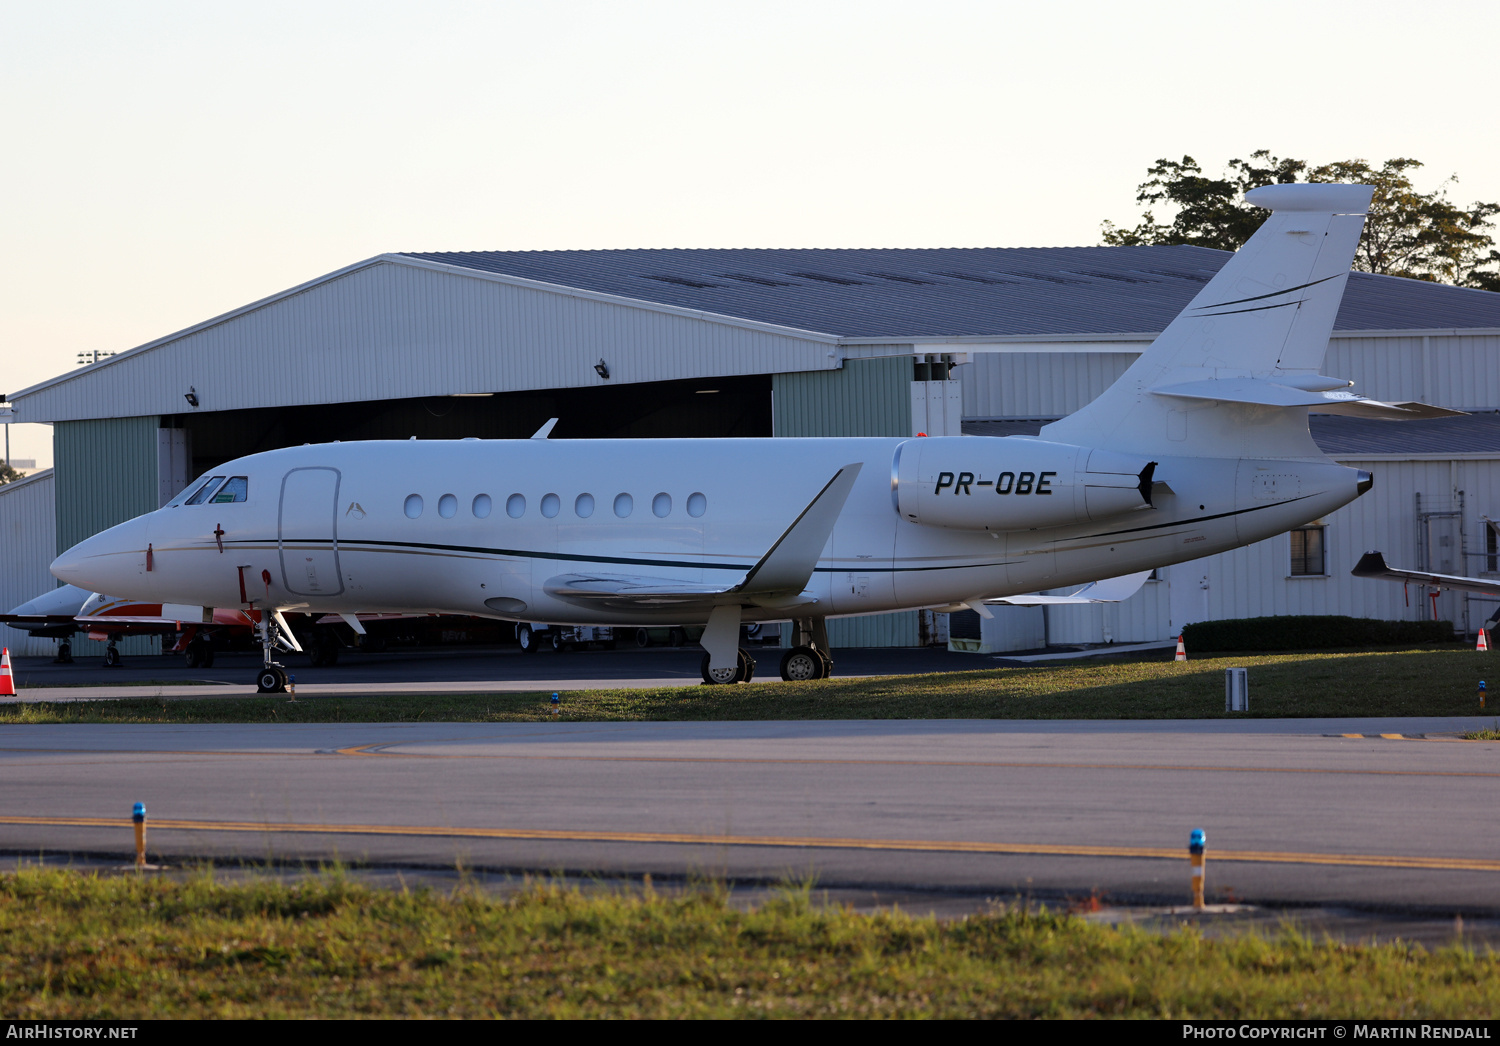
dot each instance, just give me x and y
(113, 561)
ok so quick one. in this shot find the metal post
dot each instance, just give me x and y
(138, 815)
(1197, 843)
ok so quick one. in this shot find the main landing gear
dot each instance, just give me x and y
(112, 655)
(725, 662)
(809, 659)
(742, 672)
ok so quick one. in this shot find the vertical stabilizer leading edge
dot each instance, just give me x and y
(1234, 373)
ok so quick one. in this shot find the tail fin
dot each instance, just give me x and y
(1266, 316)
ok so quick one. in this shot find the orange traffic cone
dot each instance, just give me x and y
(1181, 650)
(1483, 644)
(7, 681)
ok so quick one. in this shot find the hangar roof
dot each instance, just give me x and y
(887, 293)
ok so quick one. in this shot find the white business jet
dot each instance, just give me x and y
(1201, 446)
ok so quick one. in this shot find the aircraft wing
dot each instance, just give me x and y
(628, 591)
(55, 625)
(1109, 590)
(1372, 564)
(124, 625)
(778, 579)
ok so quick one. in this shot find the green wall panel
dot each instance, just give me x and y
(105, 474)
(864, 398)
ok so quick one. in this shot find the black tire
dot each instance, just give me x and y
(270, 681)
(677, 637)
(642, 638)
(744, 668)
(827, 665)
(557, 642)
(208, 655)
(802, 663)
(527, 638)
(65, 653)
(111, 658)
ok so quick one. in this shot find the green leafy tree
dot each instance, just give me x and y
(8, 474)
(1421, 236)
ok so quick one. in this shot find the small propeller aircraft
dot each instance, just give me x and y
(1201, 446)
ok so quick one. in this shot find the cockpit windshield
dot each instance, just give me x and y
(200, 495)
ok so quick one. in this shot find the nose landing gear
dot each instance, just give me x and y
(272, 678)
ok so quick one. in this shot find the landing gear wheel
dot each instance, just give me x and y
(111, 658)
(527, 638)
(827, 664)
(743, 671)
(324, 654)
(802, 663)
(64, 654)
(557, 643)
(677, 637)
(271, 680)
(642, 638)
(194, 655)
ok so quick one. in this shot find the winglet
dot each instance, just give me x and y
(545, 432)
(788, 565)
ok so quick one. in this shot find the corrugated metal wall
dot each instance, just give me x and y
(1037, 384)
(865, 398)
(106, 473)
(394, 331)
(28, 534)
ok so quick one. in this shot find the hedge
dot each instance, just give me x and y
(1311, 632)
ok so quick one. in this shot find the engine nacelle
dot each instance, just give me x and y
(1014, 483)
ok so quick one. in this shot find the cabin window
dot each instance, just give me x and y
(583, 507)
(482, 506)
(661, 505)
(447, 506)
(551, 504)
(235, 489)
(697, 505)
(624, 505)
(515, 506)
(204, 491)
(413, 506)
(1309, 552)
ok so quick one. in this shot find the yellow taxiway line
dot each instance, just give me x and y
(1454, 864)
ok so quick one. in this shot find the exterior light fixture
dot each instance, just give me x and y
(191, 395)
(602, 369)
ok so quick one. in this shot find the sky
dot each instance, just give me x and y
(166, 162)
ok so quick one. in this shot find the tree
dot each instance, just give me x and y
(8, 474)
(1418, 235)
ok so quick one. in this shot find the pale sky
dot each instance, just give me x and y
(167, 161)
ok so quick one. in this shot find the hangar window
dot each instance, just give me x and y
(1309, 552)
(237, 488)
(624, 504)
(584, 506)
(661, 505)
(413, 506)
(447, 506)
(697, 505)
(515, 506)
(482, 506)
(204, 491)
(551, 504)
(1491, 549)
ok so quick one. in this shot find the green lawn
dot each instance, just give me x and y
(1427, 681)
(79, 946)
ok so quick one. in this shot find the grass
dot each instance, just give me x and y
(1434, 681)
(81, 946)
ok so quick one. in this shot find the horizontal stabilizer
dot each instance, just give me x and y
(1109, 590)
(1372, 564)
(1270, 392)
